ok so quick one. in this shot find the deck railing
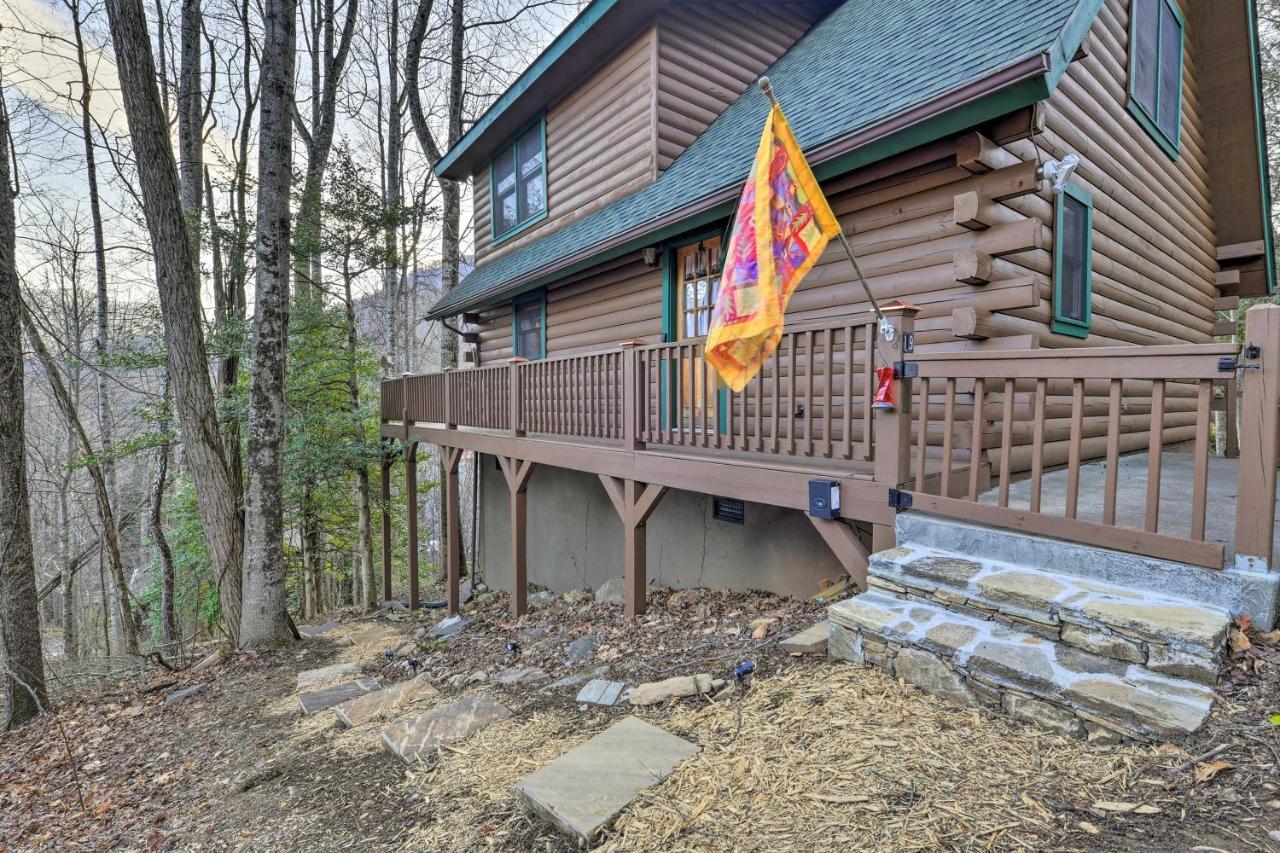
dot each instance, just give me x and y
(810, 399)
(974, 423)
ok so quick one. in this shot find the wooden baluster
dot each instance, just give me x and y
(703, 394)
(922, 440)
(777, 394)
(1155, 450)
(1200, 490)
(714, 379)
(975, 441)
(1006, 440)
(1232, 401)
(792, 367)
(846, 445)
(868, 389)
(810, 367)
(1074, 448)
(829, 374)
(760, 407)
(1113, 455)
(948, 428)
(1037, 446)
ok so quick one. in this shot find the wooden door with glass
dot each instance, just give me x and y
(697, 269)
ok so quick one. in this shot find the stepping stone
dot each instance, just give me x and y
(582, 791)
(178, 695)
(810, 641)
(447, 628)
(601, 692)
(312, 677)
(417, 738)
(519, 675)
(317, 630)
(385, 702)
(336, 695)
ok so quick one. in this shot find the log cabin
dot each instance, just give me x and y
(1056, 201)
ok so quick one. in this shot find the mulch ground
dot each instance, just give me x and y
(806, 754)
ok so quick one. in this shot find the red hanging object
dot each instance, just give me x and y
(884, 390)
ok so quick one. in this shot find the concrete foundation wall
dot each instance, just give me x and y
(575, 539)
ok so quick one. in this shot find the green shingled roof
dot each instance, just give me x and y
(865, 64)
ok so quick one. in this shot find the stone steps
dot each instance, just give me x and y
(985, 661)
(1166, 634)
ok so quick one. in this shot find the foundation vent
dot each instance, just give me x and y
(727, 510)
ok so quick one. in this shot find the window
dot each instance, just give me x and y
(529, 326)
(1072, 262)
(698, 266)
(518, 182)
(1155, 70)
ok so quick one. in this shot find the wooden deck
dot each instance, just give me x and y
(972, 434)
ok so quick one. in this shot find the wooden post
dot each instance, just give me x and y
(893, 427)
(513, 386)
(1260, 419)
(631, 397)
(450, 420)
(387, 460)
(634, 502)
(517, 473)
(411, 516)
(453, 529)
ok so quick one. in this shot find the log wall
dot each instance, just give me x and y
(709, 54)
(599, 147)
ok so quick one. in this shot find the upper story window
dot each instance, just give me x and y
(529, 322)
(1073, 262)
(1155, 70)
(519, 181)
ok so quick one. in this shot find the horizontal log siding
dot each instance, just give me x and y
(709, 53)
(1154, 238)
(600, 147)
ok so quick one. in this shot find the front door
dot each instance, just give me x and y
(698, 282)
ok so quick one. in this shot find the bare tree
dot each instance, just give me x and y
(266, 615)
(179, 302)
(21, 654)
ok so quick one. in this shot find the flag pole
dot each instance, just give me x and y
(887, 329)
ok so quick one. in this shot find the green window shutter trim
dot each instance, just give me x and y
(1171, 145)
(1062, 324)
(509, 147)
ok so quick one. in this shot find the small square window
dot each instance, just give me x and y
(1155, 70)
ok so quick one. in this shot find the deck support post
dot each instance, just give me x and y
(634, 502)
(892, 427)
(1259, 439)
(411, 516)
(848, 548)
(387, 460)
(517, 473)
(453, 526)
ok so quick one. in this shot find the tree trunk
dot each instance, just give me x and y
(179, 302)
(168, 574)
(21, 655)
(266, 623)
(191, 124)
(391, 187)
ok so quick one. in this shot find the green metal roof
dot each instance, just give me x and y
(881, 75)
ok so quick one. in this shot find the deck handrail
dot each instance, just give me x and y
(966, 423)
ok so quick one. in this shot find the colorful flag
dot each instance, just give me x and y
(782, 226)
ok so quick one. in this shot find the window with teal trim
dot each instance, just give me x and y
(1073, 262)
(1155, 70)
(518, 176)
(529, 327)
